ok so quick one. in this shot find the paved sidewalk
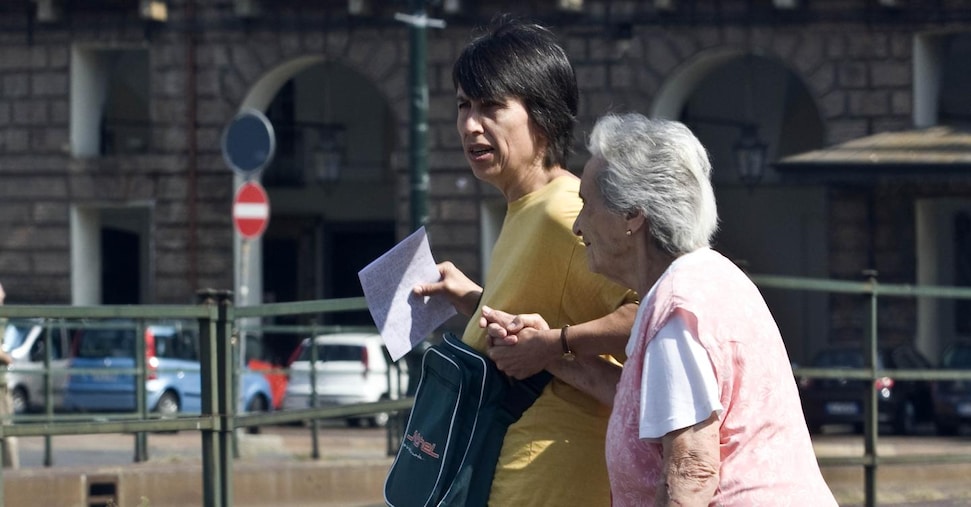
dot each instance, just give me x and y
(276, 468)
(940, 485)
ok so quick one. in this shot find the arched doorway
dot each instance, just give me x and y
(767, 225)
(331, 189)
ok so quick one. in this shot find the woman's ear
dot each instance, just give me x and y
(635, 220)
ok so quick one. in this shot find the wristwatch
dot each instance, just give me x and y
(567, 353)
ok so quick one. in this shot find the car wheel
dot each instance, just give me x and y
(906, 422)
(255, 405)
(379, 420)
(19, 401)
(168, 404)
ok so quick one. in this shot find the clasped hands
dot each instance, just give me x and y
(520, 345)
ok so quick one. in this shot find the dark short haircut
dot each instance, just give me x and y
(525, 61)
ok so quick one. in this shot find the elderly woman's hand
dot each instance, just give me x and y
(520, 345)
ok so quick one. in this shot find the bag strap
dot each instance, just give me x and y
(523, 393)
(520, 394)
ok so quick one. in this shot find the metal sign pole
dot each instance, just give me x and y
(248, 145)
(418, 21)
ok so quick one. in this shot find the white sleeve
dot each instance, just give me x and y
(678, 386)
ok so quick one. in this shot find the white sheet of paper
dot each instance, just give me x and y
(403, 318)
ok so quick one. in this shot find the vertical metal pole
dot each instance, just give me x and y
(314, 422)
(419, 118)
(211, 473)
(49, 386)
(141, 438)
(240, 338)
(389, 447)
(226, 395)
(216, 486)
(231, 387)
(872, 423)
(3, 438)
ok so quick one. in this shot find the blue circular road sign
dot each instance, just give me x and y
(248, 143)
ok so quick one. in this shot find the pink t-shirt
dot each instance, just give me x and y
(767, 456)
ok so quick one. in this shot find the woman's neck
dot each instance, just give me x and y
(531, 181)
(655, 262)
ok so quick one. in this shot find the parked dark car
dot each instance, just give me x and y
(902, 404)
(952, 398)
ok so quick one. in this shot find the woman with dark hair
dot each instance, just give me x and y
(516, 94)
(705, 410)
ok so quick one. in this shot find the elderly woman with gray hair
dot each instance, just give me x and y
(705, 410)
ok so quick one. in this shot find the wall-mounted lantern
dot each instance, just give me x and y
(749, 152)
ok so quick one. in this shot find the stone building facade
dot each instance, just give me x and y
(113, 187)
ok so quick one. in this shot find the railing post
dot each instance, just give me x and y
(871, 408)
(396, 420)
(141, 438)
(235, 347)
(214, 340)
(3, 424)
(226, 393)
(314, 422)
(49, 387)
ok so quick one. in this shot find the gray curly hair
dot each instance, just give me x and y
(659, 168)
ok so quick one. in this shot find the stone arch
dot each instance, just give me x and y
(685, 78)
(754, 87)
(252, 73)
(314, 207)
(261, 93)
(771, 227)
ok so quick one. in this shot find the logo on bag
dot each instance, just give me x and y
(422, 445)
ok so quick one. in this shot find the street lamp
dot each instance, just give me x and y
(749, 152)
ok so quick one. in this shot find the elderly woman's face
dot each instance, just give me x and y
(603, 231)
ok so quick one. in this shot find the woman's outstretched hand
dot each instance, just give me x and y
(460, 290)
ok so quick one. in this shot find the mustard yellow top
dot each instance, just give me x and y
(554, 455)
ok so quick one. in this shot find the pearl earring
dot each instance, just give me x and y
(628, 232)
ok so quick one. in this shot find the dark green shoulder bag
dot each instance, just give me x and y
(451, 443)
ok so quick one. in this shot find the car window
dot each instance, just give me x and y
(106, 343)
(901, 358)
(58, 340)
(844, 358)
(957, 357)
(923, 362)
(839, 359)
(14, 335)
(334, 352)
(176, 345)
(908, 358)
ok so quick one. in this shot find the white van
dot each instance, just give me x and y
(351, 368)
(24, 340)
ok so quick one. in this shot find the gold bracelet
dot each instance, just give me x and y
(567, 353)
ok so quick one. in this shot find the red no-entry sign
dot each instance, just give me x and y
(251, 210)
